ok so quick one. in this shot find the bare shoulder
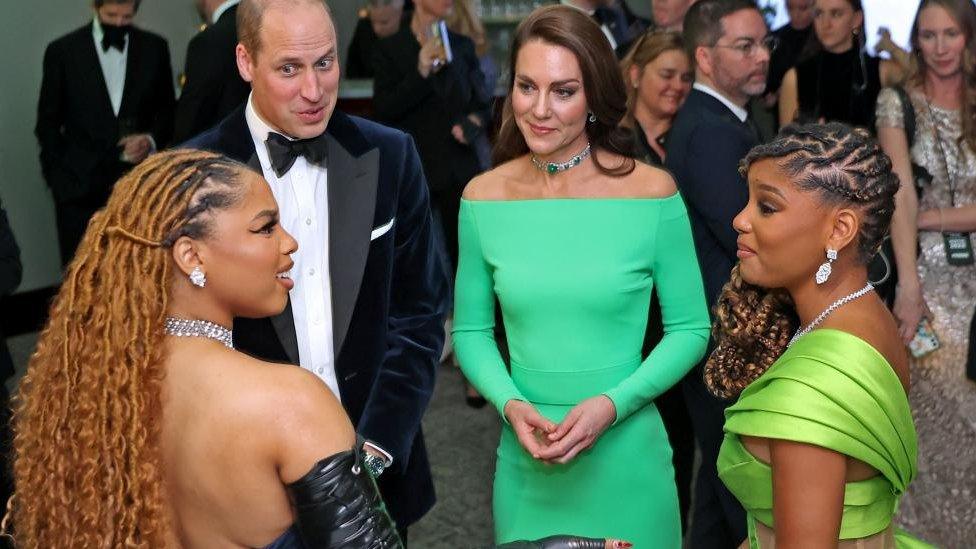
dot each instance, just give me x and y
(295, 411)
(790, 77)
(873, 323)
(495, 184)
(648, 182)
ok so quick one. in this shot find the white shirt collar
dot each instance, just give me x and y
(571, 4)
(738, 111)
(221, 9)
(259, 131)
(98, 33)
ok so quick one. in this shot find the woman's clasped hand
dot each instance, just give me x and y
(559, 443)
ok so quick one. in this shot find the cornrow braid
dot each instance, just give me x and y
(87, 416)
(845, 166)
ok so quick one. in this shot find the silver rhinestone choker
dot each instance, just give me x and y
(554, 167)
(826, 312)
(181, 327)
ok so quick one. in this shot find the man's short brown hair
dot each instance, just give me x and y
(100, 3)
(250, 14)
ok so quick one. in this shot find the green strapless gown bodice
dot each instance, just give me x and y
(833, 390)
(574, 278)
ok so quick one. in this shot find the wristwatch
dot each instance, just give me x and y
(375, 464)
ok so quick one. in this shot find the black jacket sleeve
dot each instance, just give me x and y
(10, 267)
(51, 114)
(714, 187)
(359, 59)
(398, 88)
(198, 100)
(405, 384)
(162, 127)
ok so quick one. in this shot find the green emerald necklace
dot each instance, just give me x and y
(555, 167)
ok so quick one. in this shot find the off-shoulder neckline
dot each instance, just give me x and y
(864, 342)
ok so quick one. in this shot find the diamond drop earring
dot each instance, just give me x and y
(823, 273)
(197, 277)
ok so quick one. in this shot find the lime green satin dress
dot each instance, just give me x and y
(834, 390)
(574, 278)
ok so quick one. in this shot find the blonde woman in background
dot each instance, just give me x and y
(941, 95)
(659, 77)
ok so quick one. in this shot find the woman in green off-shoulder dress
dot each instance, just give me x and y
(820, 444)
(570, 237)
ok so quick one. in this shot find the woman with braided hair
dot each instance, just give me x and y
(820, 443)
(131, 433)
(139, 425)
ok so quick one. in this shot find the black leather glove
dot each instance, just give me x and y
(338, 506)
(557, 542)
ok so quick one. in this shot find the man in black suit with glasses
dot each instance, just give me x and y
(712, 132)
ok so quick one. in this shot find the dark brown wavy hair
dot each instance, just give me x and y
(606, 94)
(87, 464)
(963, 12)
(844, 166)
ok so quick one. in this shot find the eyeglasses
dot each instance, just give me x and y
(749, 47)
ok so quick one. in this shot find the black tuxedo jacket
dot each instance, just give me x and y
(389, 294)
(426, 108)
(704, 147)
(76, 127)
(213, 87)
(10, 271)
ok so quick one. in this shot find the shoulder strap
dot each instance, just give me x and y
(908, 114)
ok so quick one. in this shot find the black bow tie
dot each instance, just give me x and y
(113, 36)
(283, 151)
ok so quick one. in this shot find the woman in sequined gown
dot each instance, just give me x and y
(938, 506)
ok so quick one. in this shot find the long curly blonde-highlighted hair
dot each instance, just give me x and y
(87, 417)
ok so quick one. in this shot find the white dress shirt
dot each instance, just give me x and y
(221, 9)
(113, 66)
(303, 204)
(738, 111)
(303, 210)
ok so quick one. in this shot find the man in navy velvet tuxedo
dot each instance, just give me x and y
(366, 313)
(710, 135)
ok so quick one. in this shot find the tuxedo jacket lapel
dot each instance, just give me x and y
(284, 322)
(352, 203)
(99, 89)
(132, 66)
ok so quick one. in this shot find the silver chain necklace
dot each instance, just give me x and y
(553, 167)
(182, 327)
(826, 312)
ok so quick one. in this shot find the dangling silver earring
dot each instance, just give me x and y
(823, 273)
(197, 277)
(592, 118)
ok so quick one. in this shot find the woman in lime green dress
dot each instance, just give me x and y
(820, 444)
(570, 235)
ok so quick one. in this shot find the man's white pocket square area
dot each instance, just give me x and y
(382, 229)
